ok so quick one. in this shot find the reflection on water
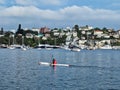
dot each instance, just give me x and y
(89, 70)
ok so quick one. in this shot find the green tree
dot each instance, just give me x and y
(30, 42)
(30, 31)
(76, 27)
(1, 32)
(105, 30)
(4, 40)
(78, 31)
(8, 33)
(97, 28)
(20, 32)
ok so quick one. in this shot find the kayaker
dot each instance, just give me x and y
(54, 61)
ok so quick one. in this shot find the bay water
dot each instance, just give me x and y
(89, 70)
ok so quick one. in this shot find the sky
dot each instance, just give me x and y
(59, 13)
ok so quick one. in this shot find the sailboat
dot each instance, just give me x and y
(23, 46)
(11, 46)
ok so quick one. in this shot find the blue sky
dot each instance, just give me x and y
(59, 13)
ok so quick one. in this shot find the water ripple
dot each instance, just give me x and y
(89, 70)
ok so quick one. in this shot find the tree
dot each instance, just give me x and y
(105, 30)
(4, 40)
(76, 27)
(97, 28)
(78, 31)
(19, 27)
(30, 42)
(79, 34)
(8, 33)
(30, 31)
(1, 32)
(20, 30)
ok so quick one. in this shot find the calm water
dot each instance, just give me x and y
(93, 70)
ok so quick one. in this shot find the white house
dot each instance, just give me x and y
(1, 35)
(36, 29)
(74, 34)
(98, 32)
(106, 36)
(29, 35)
(86, 28)
(116, 35)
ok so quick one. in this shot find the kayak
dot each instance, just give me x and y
(49, 64)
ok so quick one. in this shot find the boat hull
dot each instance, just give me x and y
(49, 64)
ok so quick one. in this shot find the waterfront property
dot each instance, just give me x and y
(82, 37)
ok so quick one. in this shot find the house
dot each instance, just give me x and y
(106, 41)
(106, 36)
(67, 29)
(86, 28)
(36, 29)
(44, 38)
(47, 35)
(116, 35)
(118, 32)
(62, 33)
(44, 30)
(68, 33)
(1, 35)
(29, 35)
(98, 32)
(83, 32)
(74, 34)
(56, 33)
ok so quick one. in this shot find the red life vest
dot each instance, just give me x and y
(54, 61)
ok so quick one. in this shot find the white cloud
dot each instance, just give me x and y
(33, 15)
(30, 11)
(68, 13)
(18, 11)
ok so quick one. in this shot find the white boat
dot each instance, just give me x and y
(24, 49)
(39, 48)
(11, 47)
(106, 47)
(49, 64)
(66, 47)
(48, 48)
(75, 49)
(15, 46)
